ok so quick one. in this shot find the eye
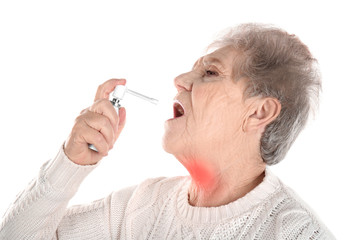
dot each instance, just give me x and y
(211, 73)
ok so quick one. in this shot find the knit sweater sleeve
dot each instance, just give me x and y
(101, 219)
(302, 225)
(297, 220)
(40, 211)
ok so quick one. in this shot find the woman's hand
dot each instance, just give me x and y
(98, 125)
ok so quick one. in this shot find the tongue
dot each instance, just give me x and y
(178, 113)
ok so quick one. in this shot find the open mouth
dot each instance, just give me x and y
(178, 109)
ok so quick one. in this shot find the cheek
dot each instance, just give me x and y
(200, 96)
(220, 119)
(205, 98)
(209, 117)
(211, 106)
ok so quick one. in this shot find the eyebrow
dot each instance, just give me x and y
(208, 60)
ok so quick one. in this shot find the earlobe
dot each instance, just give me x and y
(263, 113)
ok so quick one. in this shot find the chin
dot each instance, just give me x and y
(165, 143)
(164, 146)
(171, 144)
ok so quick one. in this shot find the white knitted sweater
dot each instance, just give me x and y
(155, 209)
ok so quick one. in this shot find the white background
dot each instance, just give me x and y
(54, 54)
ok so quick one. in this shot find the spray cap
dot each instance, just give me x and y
(119, 92)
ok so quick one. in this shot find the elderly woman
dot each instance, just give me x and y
(237, 111)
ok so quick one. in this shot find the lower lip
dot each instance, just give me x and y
(175, 118)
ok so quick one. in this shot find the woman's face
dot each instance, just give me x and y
(214, 111)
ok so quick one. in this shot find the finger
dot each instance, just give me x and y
(82, 134)
(101, 124)
(94, 137)
(107, 87)
(105, 108)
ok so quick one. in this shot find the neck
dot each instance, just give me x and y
(212, 188)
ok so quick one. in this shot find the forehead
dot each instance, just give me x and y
(222, 56)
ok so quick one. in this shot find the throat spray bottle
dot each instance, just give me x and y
(118, 95)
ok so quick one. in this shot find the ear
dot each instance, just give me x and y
(263, 111)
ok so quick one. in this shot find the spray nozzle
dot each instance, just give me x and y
(119, 92)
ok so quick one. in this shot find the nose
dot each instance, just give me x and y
(183, 82)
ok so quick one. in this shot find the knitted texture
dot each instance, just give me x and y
(155, 209)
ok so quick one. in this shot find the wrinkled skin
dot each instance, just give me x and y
(218, 137)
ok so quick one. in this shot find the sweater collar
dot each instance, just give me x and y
(260, 193)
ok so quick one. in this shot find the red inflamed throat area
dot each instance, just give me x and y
(201, 174)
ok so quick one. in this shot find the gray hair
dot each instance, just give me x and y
(276, 64)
